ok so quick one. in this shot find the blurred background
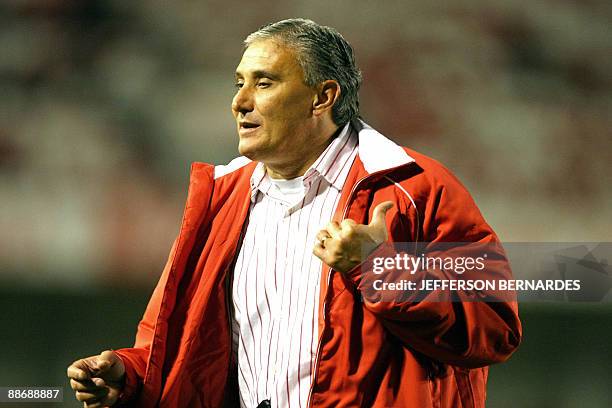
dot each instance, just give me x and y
(104, 105)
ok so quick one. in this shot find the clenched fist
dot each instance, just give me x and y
(97, 380)
(344, 246)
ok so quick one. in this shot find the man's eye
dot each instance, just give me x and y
(262, 84)
(238, 85)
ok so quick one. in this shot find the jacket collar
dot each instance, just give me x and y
(376, 152)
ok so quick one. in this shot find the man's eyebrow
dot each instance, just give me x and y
(260, 73)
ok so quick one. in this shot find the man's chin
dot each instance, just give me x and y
(250, 152)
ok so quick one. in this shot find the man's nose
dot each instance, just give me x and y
(243, 101)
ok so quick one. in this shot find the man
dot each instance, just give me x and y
(259, 305)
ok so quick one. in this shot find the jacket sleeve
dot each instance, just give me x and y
(462, 333)
(135, 358)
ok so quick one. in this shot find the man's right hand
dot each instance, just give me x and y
(97, 380)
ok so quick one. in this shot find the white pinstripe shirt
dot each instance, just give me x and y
(275, 288)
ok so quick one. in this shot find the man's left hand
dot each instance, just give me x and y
(344, 246)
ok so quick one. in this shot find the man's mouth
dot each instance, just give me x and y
(245, 127)
(248, 125)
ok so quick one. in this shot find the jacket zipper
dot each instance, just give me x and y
(329, 273)
(228, 300)
(229, 287)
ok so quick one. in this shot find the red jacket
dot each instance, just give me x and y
(418, 354)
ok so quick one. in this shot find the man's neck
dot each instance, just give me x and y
(297, 168)
(288, 173)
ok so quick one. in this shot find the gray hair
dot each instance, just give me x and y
(323, 54)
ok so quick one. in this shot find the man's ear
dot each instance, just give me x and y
(328, 93)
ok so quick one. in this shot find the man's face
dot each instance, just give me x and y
(273, 105)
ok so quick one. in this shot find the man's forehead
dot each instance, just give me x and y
(264, 49)
(266, 54)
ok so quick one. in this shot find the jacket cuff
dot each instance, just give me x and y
(132, 381)
(379, 284)
(359, 273)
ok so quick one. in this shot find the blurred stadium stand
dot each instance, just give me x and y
(103, 105)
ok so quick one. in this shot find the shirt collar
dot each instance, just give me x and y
(257, 181)
(332, 161)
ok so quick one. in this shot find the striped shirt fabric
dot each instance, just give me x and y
(275, 286)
